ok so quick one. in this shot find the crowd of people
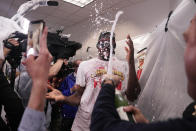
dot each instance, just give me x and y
(82, 98)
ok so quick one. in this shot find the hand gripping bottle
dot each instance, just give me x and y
(120, 102)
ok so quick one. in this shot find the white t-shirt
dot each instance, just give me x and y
(89, 76)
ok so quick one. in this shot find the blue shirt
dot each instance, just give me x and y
(67, 110)
(32, 120)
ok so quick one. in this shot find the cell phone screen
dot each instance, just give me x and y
(34, 35)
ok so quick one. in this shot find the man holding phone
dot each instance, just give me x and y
(38, 69)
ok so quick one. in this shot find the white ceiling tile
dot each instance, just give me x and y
(67, 7)
(104, 4)
(17, 3)
(99, 7)
(64, 22)
(83, 12)
(61, 13)
(121, 4)
(3, 12)
(137, 1)
(5, 7)
(75, 18)
(48, 10)
(12, 11)
(90, 5)
(35, 16)
(52, 19)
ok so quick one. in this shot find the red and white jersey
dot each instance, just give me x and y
(89, 76)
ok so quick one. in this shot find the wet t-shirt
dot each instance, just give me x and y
(89, 76)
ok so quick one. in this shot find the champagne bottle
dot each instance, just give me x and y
(120, 102)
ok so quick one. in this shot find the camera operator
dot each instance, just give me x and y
(8, 98)
(5, 51)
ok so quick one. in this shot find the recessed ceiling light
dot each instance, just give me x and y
(80, 3)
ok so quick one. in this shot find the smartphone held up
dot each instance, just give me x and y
(34, 34)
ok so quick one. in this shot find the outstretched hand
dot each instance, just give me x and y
(55, 94)
(130, 50)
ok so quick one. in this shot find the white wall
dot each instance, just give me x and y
(137, 19)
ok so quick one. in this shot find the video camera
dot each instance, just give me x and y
(15, 55)
(58, 46)
(61, 47)
(20, 37)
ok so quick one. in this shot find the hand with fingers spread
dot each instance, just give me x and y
(130, 50)
(55, 94)
(139, 117)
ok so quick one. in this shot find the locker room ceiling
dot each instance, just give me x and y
(67, 14)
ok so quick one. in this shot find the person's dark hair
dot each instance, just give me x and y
(106, 34)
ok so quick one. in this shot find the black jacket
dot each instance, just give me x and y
(106, 118)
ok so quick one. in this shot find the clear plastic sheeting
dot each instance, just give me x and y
(163, 81)
(7, 27)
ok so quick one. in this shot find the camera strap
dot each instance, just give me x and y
(8, 45)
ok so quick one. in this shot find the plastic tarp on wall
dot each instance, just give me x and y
(163, 80)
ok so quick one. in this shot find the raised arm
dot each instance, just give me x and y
(38, 69)
(133, 88)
